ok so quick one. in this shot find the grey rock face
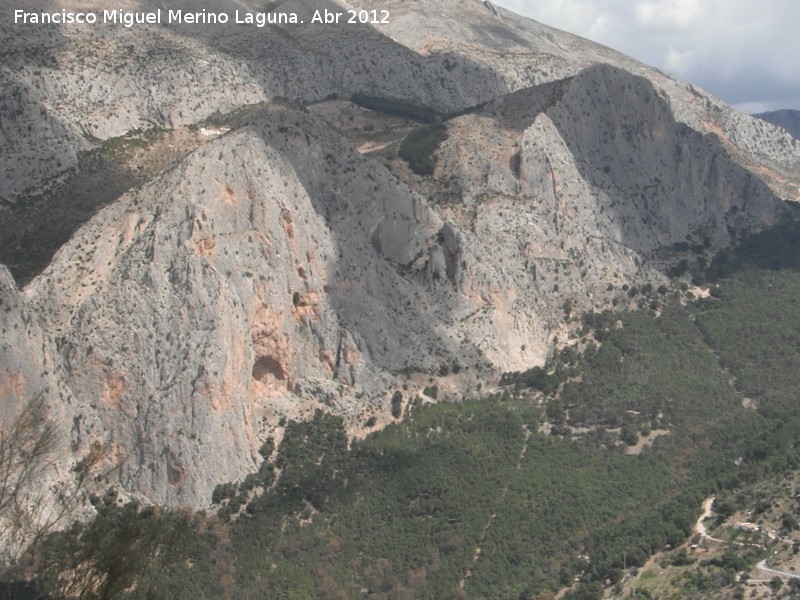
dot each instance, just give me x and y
(665, 181)
(277, 270)
(786, 119)
(196, 309)
(22, 348)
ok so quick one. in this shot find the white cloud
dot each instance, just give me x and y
(743, 51)
(756, 107)
(669, 15)
(677, 61)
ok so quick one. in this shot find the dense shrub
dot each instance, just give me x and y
(419, 146)
(397, 108)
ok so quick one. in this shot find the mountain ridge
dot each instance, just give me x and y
(276, 268)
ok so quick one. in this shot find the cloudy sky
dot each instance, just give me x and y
(745, 52)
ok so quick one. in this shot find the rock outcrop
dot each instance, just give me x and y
(787, 119)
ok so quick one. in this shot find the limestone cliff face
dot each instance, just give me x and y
(576, 185)
(663, 180)
(253, 281)
(22, 351)
(276, 269)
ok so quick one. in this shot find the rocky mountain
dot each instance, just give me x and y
(787, 119)
(265, 249)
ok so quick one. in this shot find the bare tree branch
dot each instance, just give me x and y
(32, 502)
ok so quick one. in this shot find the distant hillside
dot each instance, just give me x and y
(788, 119)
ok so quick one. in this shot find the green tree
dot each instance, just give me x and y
(629, 435)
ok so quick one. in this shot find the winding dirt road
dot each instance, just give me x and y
(762, 566)
(700, 528)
